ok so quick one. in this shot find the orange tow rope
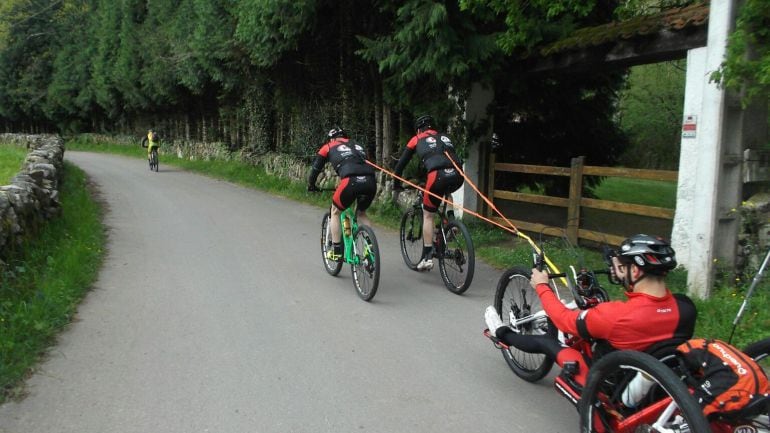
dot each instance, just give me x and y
(491, 205)
(393, 175)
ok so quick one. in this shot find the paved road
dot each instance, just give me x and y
(213, 314)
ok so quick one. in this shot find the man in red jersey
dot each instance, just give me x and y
(432, 147)
(651, 314)
(357, 182)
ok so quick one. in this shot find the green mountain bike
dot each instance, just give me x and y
(360, 251)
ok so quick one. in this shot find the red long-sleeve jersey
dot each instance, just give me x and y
(636, 324)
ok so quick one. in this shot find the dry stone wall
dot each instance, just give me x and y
(32, 197)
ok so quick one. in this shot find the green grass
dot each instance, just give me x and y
(503, 250)
(11, 158)
(41, 286)
(637, 191)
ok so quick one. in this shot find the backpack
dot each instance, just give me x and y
(724, 379)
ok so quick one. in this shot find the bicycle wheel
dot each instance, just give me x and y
(155, 161)
(411, 237)
(332, 267)
(457, 261)
(601, 401)
(515, 300)
(760, 352)
(366, 269)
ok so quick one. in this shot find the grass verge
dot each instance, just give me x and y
(11, 158)
(42, 285)
(502, 250)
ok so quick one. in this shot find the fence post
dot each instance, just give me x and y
(487, 212)
(575, 194)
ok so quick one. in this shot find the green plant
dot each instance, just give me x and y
(11, 158)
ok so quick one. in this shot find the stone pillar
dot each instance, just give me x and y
(709, 167)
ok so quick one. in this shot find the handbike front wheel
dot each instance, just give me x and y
(516, 300)
(457, 261)
(601, 407)
(366, 264)
(410, 236)
(333, 267)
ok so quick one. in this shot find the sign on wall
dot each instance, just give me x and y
(689, 126)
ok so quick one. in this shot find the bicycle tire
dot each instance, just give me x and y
(515, 297)
(410, 236)
(760, 351)
(332, 267)
(457, 261)
(600, 396)
(366, 274)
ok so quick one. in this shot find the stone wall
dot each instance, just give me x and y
(32, 197)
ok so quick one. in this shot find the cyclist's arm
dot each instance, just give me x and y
(406, 156)
(315, 169)
(144, 141)
(598, 321)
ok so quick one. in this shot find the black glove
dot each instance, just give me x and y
(312, 188)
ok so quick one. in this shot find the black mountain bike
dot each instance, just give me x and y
(154, 159)
(452, 245)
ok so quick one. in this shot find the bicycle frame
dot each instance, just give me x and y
(349, 253)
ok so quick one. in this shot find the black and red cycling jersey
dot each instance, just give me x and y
(636, 324)
(430, 146)
(346, 156)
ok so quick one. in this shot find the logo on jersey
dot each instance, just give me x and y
(446, 139)
(343, 148)
(431, 139)
(358, 147)
(449, 170)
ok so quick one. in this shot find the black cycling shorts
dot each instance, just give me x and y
(355, 187)
(441, 182)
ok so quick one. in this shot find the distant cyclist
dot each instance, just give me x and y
(357, 181)
(443, 179)
(152, 142)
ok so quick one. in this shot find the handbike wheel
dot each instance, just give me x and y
(366, 266)
(515, 299)
(411, 237)
(332, 267)
(457, 261)
(760, 352)
(601, 407)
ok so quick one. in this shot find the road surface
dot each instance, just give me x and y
(213, 313)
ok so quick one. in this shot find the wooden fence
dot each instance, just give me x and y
(576, 201)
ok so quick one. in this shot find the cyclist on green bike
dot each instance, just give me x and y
(151, 141)
(357, 182)
(651, 314)
(443, 179)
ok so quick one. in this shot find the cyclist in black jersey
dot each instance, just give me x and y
(432, 147)
(357, 181)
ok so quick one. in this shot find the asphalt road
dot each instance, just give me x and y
(213, 313)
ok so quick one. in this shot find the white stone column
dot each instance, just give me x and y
(705, 170)
(478, 145)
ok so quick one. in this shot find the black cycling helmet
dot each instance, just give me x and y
(335, 132)
(652, 254)
(423, 122)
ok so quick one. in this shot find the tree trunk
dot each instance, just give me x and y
(387, 138)
(378, 126)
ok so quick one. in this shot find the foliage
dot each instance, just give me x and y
(650, 113)
(747, 66)
(11, 158)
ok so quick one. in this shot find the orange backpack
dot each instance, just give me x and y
(725, 380)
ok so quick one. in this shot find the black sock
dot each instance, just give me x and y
(427, 252)
(337, 248)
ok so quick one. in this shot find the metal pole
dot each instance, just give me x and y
(745, 303)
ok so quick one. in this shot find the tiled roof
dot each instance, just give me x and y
(677, 19)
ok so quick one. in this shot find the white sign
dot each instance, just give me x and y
(689, 126)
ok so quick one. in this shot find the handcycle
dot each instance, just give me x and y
(360, 250)
(605, 403)
(452, 245)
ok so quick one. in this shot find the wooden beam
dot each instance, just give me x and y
(532, 169)
(664, 175)
(531, 198)
(661, 46)
(634, 209)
